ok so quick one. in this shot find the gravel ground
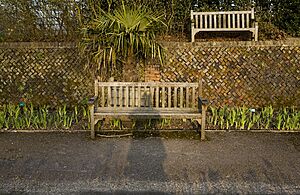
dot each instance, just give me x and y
(236, 162)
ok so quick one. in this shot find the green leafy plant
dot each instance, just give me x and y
(2, 117)
(164, 122)
(116, 123)
(265, 118)
(232, 117)
(120, 37)
(244, 116)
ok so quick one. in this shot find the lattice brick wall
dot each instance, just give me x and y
(43, 73)
(240, 73)
(252, 74)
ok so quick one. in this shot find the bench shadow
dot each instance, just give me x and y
(146, 155)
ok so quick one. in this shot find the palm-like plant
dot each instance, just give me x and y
(120, 37)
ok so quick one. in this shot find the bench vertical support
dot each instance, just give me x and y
(203, 120)
(192, 25)
(203, 110)
(91, 108)
(256, 32)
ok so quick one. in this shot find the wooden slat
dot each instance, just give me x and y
(229, 21)
(187, 98)
(220, 21)
(181, 97)
(233, 21)
(139, 96)
(196, 18)
(226, 29)
(247, 21)
(200, 21)
(151, 96)
(243, 20)
(215, 21)
(222, 12)
(156, 114)
(115, 97)
(102, 96)
(154, 84)
(163, 97)
(126, 97)
(120, 102)
(145, 110)
(109, 96)
(157, 97)
(224, 21)
(175, 97)
(145, 96)
(238, 21)
(193, 97)
(252, 14)
(169, 97)
(134, 93)
(210, 21)
(131, 96)
(205, 21)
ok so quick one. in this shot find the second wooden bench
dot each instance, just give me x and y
(224, 21)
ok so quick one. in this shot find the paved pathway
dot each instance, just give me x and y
(228, 163)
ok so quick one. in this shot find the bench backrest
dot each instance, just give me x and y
(223, 20)
(148, 95)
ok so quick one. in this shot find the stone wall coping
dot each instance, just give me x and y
(37, 45)
(288, 42)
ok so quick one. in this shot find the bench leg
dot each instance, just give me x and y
(201, 127)
(91, 108)
(203, 122)
(92, 131)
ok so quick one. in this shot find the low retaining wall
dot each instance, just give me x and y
(43, 73)
(254, 74)
(239, 73)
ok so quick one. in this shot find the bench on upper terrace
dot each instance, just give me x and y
(224, 21)
(148, 100)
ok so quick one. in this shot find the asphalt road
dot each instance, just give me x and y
(57, 163)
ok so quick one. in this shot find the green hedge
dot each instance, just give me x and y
(57, 20)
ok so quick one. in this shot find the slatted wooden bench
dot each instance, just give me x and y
(153, 100)
(224, 21)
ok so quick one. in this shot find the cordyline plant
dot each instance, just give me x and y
(120, 38)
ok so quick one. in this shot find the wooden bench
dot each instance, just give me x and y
(144, 100)
(224, 21)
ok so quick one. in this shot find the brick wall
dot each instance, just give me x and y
(234, 73)
(152, 73)
(43, 73)
(239, 73)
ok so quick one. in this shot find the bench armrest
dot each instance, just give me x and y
(93, 100)
(204, 101)
(201, 103)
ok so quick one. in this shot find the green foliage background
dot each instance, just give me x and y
(57, 20)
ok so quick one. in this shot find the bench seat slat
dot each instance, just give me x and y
(150, 114)
(147, 109)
